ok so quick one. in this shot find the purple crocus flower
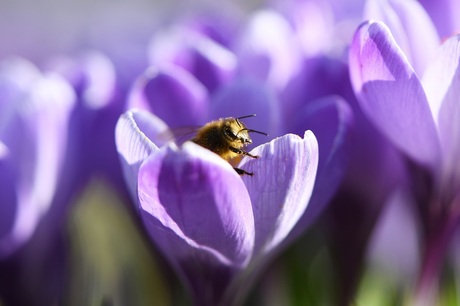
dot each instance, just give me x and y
(419, 116)
(177, 89)
(34, 113)
(100, 101)
(209, 222)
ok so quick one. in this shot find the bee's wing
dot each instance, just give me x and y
(179, 134)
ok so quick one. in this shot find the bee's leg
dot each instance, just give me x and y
(239, 151)
(242, 172)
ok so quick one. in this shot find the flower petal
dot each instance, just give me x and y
(444, 14)
(394, 244)
(210, 62)
(92, 74)
(391, 95)
(171, 93)
(136, 133)
(34, 131)
(197, 211)
(406, 20)
(274, 58)
(281, 187)
(442, 85)
(8, 194)
(195, 195)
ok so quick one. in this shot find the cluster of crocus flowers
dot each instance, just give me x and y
(419, 115)
(386, 139)
(210, 222)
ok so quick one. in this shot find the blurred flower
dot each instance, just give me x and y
(34, 114)
(444, 15)
(100, 101)
(210, 222)
(35, 110)
(420, 118)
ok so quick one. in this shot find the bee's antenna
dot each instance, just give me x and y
(258, 132)
(253, 131)
(247, 116)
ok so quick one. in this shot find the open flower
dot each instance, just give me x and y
(210, 222)
(420, 117)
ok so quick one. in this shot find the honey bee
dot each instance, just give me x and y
(226, 137)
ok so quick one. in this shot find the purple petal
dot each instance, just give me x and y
(391, 95)
(444, 14)
(394, 245)
(92, 74)
(442, 86)
(320, 76)
(137, 136)
(330, 119)
(246, 97)
(173, 94)
(194, 194)
(34, 130)
(8, 194)
(274, 58)
(308, 15)
(281, 187)
(407, 20)
(210, 62)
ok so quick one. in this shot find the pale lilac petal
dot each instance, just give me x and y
(34, 131)
(171, 93)
(394, 245)
(92, 74)
(268, 49)
(247, 97)
(407, 20)
(308, 15)
(210, 62)
(136, 137)
(391, 95)
(194, 194)
(442, 86)
(281, 187)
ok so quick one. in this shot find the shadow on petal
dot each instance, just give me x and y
(198, 212)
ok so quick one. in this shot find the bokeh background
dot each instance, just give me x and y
(352, 254)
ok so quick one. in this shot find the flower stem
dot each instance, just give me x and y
(434, 254)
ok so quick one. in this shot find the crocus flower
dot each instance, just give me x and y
(176, 89)
(419, 116)
(210, 222)
(100, 98)
(34, 114)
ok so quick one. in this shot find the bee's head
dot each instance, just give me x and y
(235, 130)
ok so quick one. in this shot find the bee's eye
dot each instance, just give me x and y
(230, 133)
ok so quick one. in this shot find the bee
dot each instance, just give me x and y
(227, 137)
